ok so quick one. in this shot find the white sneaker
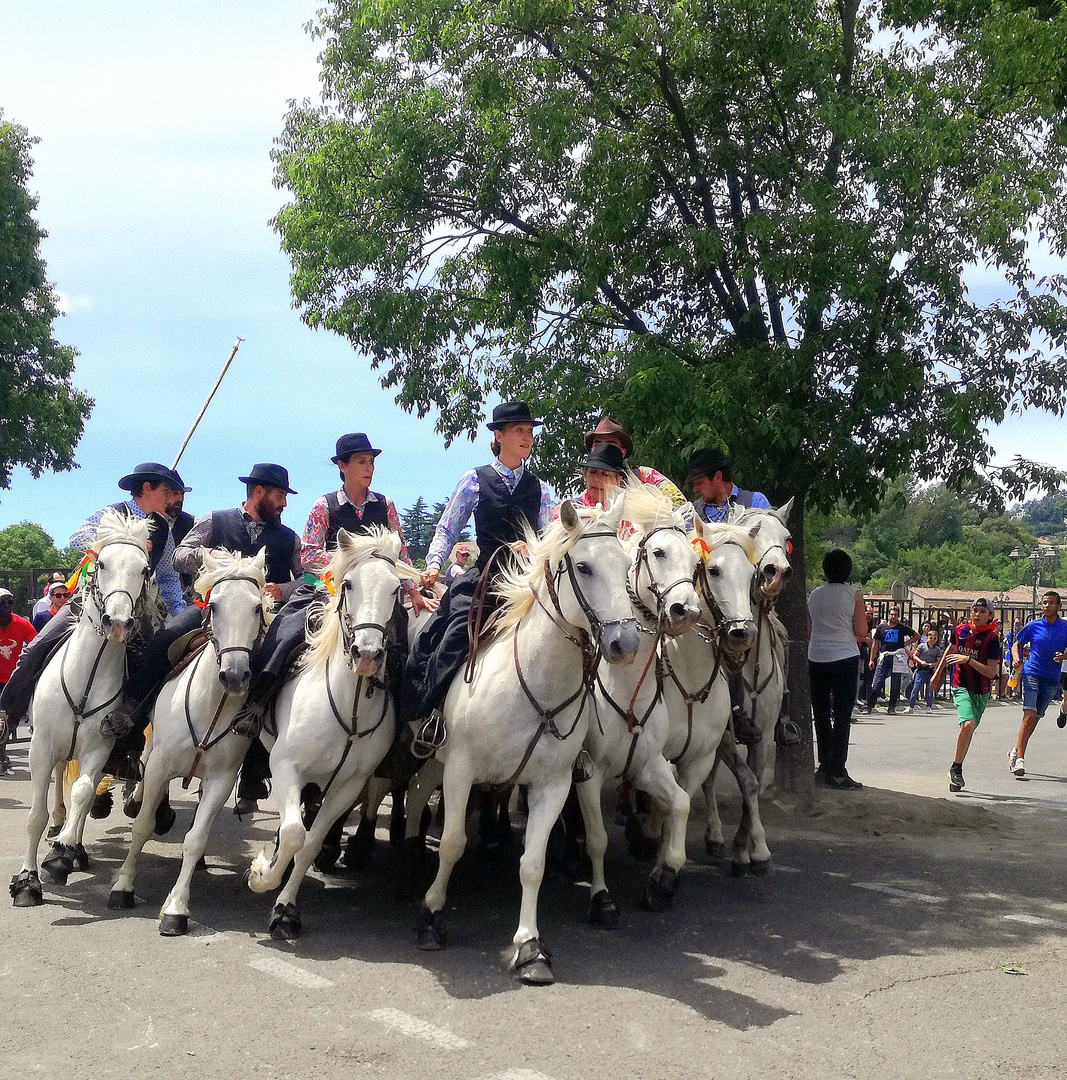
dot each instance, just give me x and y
(909, 708)
(1015, 764)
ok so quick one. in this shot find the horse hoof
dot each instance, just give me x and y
(432, 932)
(359, 851)
(738, 869)
(26, 889)
(603, 911)
(102, 804)
(173, 925)
(165, 818)
(60, 863)
(659, 890)
(53, 832)
(759, 869)
(81, 858)
(120, 899)
(131, 806)
(533, 963)
(326, 860)
(715, 849)
(285, 923)
(642, 848)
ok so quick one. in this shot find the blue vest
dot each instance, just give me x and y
(228, 531)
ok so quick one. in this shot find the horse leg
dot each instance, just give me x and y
(67, 851)
(714, 841)
(456, 785)
(658, 780)
(154, 784)
(603, 911)
(267, 870)
(359, 849)
(59, 806)
(750, 843)
(26, 885)
(413, 857)
(529, 958)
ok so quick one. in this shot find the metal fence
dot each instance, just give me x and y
(27, 586)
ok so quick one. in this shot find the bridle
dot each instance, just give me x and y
(348, 627)
(93, 592)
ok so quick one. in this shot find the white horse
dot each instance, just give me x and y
(626, 739)
(191, 724)
(336, 718)
(80, 684)
(524, 715)
(764, 671)
(696, 688)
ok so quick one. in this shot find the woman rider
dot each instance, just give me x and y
(504, 497)
(602, 470)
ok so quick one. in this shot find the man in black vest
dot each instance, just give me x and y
(181, 521)
(503, 496)
(711, 476)
(152, 489)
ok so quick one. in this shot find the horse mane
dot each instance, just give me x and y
(717, 533)
(647, 507)
(519, 582)
(114, 526)
(228, 565)
(353, 549)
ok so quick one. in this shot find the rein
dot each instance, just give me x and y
(691, 698)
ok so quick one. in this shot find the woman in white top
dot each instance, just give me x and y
(837, 626)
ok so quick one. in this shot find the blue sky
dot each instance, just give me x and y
(154, 177)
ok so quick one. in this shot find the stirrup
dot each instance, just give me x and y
(582, 769)
(117, 723)
(786, 732)
(431, 736)
(745, 730)
(248, 722)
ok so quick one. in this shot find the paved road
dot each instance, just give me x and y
(877, 948)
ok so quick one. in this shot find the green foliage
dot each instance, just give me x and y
(726, 223)
(41, 414)
(418, 525)
(1047, 516)
(26, 546)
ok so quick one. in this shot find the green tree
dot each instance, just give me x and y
(734, 222)
(417, 526)
(41, 414)
(26, 545)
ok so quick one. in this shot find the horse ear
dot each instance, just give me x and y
(784, 511)
(568, 515)
(698, 527)
(259, 563)
(344, 540)
(755, 529)
(208, 563)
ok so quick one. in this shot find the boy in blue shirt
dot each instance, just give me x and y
(1047, 638)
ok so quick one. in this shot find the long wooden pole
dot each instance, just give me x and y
(207, 401)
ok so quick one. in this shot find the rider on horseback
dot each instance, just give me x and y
(505, 497)
(153, 489)
(609, 432)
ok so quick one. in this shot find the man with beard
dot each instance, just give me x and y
(244, 530)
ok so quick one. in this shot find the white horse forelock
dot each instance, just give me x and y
(352, 549)
(114, 526)
(228, 565)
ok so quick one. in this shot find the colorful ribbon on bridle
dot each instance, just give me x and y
(79, 570)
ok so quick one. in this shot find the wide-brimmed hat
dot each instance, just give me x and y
(606, 457)
(268, 475)
(512, 412)
(150, 471)
(607, 426)
(353, 443)
(706, 463)
(181, 484)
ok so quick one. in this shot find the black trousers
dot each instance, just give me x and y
(833, 694)
(146, 679)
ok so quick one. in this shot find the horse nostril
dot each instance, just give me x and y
(738, 633)
(768, 572)
(678, 612)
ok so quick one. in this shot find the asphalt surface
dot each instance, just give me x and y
(898, 935)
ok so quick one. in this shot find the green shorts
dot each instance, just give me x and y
(969, 706)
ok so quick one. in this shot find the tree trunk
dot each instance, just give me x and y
(795, 765)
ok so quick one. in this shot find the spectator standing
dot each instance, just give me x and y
(1009, 641)
(45, 602)
(865, 655)
(888, 641)
(459, 563)
(927, 654)
(837, 628)
(976, 656)
(58, 595)
(15, 631)
(1047, 638)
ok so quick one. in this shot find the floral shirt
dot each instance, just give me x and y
(167, 580)
(313, 553)
(463, 504)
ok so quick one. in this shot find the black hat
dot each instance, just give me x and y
(512, 412)
(605, 456)
(354, 443)
(181, 485)
(269, 476)
(150, 471)
(982, 602)
(706, 463)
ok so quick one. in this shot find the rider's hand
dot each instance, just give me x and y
(273, 591)
(519, 547)
(429, 577)
(418, 602)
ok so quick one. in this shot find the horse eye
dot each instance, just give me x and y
(714, 571)
(583, 568)
(659, 553)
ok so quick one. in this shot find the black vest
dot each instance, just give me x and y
(157, 532)
(182, 524)
(499, 515)
(228, 531)
(345, 517)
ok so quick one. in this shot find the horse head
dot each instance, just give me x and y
(773, 547)
(366, 594)
(120, 572)
(727, 581)
(232, 589)
(589, 575)
(663, 563)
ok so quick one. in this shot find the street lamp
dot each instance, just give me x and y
(1035, 561)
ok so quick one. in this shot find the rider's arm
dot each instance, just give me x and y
(187, 554)
(759, 501)
(544, 513)
(657, 479)
(454, 517)
(85, 534)
(313, 556)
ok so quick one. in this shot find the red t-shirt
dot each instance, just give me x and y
(12, 638)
